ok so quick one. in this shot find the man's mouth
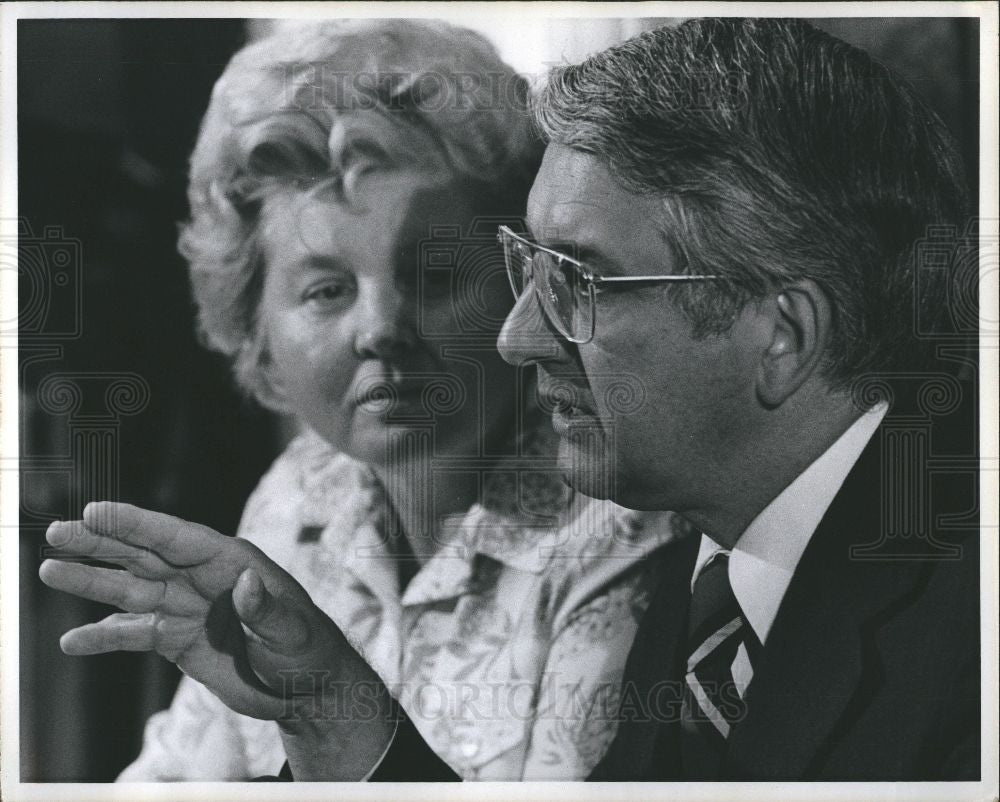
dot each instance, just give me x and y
(567, 410)
(564, 400)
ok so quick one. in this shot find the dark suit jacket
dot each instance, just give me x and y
(871, 668)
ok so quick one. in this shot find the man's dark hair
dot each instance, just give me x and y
(780, 153)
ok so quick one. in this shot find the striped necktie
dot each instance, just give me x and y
(713, 702)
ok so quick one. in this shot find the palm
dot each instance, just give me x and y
(209, 644)
(177, 590)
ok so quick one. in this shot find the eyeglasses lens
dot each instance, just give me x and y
(564, 294)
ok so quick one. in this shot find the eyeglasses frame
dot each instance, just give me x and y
(591, 279)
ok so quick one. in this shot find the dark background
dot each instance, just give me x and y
(108, 113)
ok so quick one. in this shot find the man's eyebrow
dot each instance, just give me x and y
(581, 253)
(587, 254)
(564, 246)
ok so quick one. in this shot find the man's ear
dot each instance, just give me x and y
(802, 321)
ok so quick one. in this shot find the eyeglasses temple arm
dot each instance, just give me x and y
(616, 279)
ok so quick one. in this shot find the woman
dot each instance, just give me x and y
(342, 254)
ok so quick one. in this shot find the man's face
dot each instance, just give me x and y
(647, 415)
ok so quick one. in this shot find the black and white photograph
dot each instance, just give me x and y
(577, 401)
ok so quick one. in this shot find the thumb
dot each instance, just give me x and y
(272, 620)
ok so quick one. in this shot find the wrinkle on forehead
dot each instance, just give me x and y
(577, 198)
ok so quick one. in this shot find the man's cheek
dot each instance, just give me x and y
(621, 398)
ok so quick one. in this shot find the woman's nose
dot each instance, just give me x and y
(386, 328)
(525, 337)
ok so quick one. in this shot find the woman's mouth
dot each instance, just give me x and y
(382, 396)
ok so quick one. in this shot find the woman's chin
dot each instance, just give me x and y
(381, 440)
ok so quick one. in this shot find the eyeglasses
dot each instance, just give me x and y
(565, 288)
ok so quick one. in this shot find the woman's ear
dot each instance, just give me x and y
(267, 386)
(271, 396)
(802, 321)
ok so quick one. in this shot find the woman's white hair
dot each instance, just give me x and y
(319, 102)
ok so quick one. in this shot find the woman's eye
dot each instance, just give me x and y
(326, 294)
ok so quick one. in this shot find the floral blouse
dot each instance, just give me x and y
(506, 648)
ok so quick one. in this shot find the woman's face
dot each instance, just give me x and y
(381, 316)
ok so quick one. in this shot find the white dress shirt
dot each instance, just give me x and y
(765, 556)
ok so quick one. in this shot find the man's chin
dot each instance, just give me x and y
(587, 466)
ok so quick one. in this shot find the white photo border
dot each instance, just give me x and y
(987, 788)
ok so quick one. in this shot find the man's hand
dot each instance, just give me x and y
(230, 618)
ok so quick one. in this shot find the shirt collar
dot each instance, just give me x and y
(765, 557)
(577, 530)
(514, 524)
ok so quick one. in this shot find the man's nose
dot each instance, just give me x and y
(386, 326)
(526, 337)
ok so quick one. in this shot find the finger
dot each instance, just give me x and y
(177, 541)
(104, 585)
(121, 632)
(119, 588)
(74, 538)
(274, 621)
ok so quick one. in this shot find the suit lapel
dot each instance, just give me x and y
(642, 749)
(813, 665)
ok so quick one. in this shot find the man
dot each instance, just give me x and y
(771, 185)
(727, 223)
